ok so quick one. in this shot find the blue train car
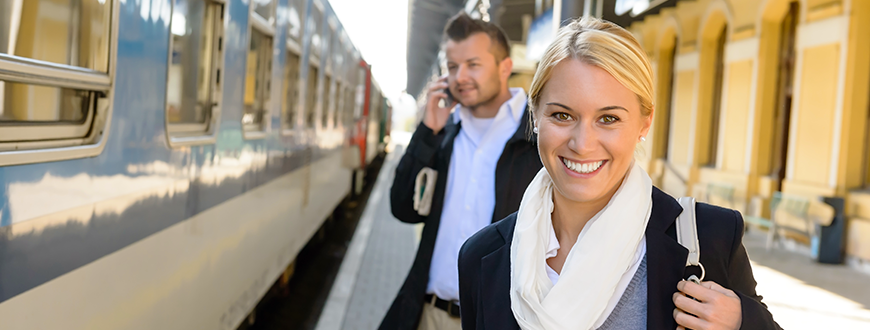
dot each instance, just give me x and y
(164, 161)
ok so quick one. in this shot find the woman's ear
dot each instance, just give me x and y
(647, 123)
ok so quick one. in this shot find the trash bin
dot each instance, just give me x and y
(828, 244)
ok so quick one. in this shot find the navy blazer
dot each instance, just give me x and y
(484, 267)
(516, 167)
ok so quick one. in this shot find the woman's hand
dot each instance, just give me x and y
(718, 308)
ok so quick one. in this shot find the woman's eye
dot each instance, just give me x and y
(561, 116)
(608, 119)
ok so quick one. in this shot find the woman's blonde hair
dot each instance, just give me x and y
(602, 44)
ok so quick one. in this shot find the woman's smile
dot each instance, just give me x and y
(582, 169)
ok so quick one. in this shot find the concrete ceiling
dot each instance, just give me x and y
(426, 21)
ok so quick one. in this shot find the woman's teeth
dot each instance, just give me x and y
(582, 168)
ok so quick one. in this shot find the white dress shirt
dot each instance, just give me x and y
(469, 199)
(552, 250)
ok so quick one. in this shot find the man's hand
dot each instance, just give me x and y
(435, 117)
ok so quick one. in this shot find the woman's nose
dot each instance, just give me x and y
(583, 138)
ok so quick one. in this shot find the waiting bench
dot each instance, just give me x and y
(721, 194)
(793, 214)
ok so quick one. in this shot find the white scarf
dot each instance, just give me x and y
(602, 254)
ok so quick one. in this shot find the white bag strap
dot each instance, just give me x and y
(687, 232)
(424, 189)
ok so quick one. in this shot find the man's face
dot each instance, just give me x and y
(473, 71)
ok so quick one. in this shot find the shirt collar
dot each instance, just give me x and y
(515, 106)
(553, 246)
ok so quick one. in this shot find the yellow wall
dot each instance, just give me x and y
(682, 116)
(827, 143)
(853, 167)
(815, 112)
(735, 115)
(521, 80)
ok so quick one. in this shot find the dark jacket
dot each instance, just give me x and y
(484, 267)
(517, 166)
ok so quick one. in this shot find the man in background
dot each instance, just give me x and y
(480, 145)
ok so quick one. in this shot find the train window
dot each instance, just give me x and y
(258, 74)
(295, 15)
(264, 8)
(360, 93)
(193, 92)
(315, 22)
(311, 101)
(339, 104)
(291, 89)
(257, 81)
(68, 32)
(55, 77)
(348, 104)
(327, 95)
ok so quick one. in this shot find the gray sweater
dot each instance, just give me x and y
(630, 311)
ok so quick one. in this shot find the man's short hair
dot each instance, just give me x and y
(462, 26)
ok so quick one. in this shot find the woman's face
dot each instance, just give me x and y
(588, 126)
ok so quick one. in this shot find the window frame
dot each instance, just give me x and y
(57, 141)
(315, 55)
(313, 62)
(328, 84)
(267, 28)
(339, 103)
(290, 125)
(293, 44)
(191, 134)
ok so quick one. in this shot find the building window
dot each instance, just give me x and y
(55, 75)
(785, 93)
(716, 99)
(193, 92)
(665, 136)
(258, 75)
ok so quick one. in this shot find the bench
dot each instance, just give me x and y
(794, 214)
(720, 194)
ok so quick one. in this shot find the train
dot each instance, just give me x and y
(163, 162)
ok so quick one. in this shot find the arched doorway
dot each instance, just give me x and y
(667, 53)
(784, 93)
(712, 66)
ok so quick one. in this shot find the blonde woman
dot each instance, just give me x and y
(593, 245)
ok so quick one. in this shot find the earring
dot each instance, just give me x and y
(642, 139)
(535, 129)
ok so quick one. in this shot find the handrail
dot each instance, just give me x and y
(677, 174)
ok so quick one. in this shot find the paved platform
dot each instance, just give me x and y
(377, 262)
(803, 294)
(800, 293)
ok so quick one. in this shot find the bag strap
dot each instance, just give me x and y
(687, 231)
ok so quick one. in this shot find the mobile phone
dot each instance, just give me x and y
(448, 101)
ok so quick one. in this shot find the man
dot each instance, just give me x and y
(484, 158)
